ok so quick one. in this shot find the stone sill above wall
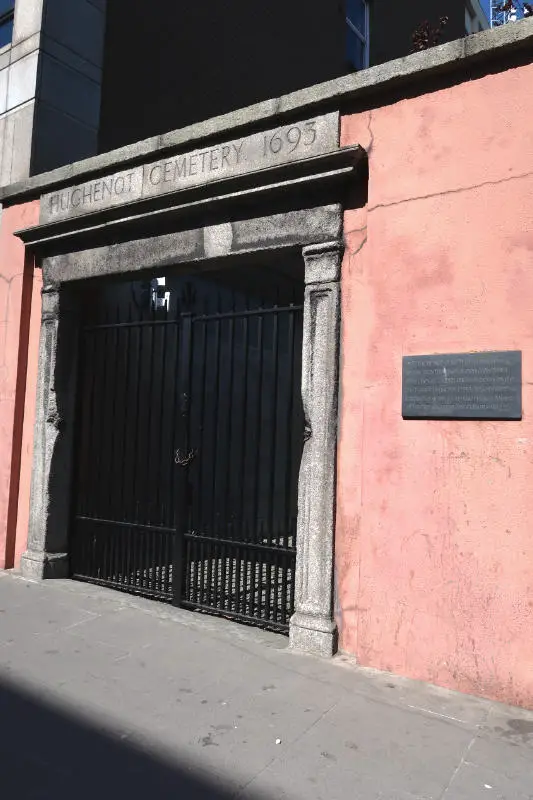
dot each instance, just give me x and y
(454, 57)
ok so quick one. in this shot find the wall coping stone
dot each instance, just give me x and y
(453, 57)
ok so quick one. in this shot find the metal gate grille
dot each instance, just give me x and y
(190, 437)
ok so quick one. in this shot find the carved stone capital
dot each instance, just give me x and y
(323, 262)
(50, 302)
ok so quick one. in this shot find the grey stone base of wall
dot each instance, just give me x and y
(42, 566)
(313, 635)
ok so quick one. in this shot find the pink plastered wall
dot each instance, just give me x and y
(26, 433)
(434, 550)
(18, 349)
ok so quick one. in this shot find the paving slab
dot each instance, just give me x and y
(104, 694)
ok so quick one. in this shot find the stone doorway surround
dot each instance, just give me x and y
(266, 204)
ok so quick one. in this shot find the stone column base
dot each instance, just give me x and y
(38, 566)
(313, 635)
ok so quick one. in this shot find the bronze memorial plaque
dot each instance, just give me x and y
(463, 386)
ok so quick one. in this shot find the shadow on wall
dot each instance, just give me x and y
(49, 752)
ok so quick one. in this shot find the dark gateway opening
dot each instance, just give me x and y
(189, 440)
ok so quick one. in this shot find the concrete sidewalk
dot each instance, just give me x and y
(107, 696)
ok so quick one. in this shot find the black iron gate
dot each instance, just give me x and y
(190, 438)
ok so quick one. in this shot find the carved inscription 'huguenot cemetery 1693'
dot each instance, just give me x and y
(463, 386)
(259, 151)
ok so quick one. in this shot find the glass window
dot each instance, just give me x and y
(7, 11)
(6, 32)
(356, 13)
(357, 33)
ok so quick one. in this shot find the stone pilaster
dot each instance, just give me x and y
(312, 626)
(47, 553)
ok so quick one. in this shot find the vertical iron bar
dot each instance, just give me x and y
(275, 381)
(161, 423)
(195, 548)
(168, 561)
(290, 413)
(201, 512)
(236, 552)
(178, 553)
(229, 496)
(227, 440)
(113, 356)
(86, 473)
(215, 402)
(98, 428)
(252, 563)
(184, 380)
(149, 427)
(136, 543)
(272, 472)
(106, 476)
(228, 586)
(222, 576)
(122, 465)
(202, 572)
(84, 461)
(245, 349)
(258, 430)
(164, 466)
(147, 461)
(129, 455)
(174, 499)
(278, 559)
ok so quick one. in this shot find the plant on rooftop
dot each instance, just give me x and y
(428, 35)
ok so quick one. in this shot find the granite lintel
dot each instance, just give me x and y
(139, 212)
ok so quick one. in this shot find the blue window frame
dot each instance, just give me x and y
(7, 13)
(357, 19)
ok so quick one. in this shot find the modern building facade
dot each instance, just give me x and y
(237, 441)
(274, 49)
(392, 25)
(50, 79)
(73, 82)
(502, 13)
(476, 20)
